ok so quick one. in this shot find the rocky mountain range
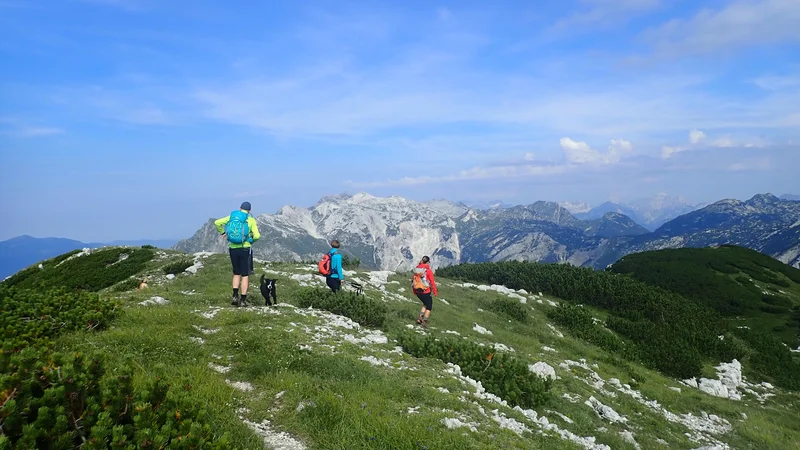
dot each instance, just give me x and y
(393, 233)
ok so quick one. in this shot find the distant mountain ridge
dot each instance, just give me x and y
(651, 212)
(392, 233)
(21, 251)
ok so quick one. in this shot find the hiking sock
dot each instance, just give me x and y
(244, 299)
(235, 292)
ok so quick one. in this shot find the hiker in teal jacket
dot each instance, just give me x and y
(334, 280)
(240, 252)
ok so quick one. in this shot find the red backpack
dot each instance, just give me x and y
(325, 264)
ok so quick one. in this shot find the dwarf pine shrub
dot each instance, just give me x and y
(127, 285)
(72, 400)
(507, 307)
(579, 322)
(360, 308)
(69, 400)
(33, 318)
(648, 316)
(177, 267)
(499, 373)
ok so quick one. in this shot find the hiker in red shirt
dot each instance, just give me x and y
(423, 283)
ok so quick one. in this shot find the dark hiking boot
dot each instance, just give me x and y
(235, 301)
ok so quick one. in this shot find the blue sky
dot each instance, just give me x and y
(123, 119)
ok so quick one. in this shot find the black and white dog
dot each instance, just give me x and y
(268, 290)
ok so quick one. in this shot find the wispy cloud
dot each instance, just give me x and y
(472, 174)
(605, 13)
(733, 27)
(698, 141)
(577, 156)
(17, 128)
(751, 164)
(777, 83)
(128, 5)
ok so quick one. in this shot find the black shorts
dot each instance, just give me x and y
(240, 260)
(426, 300)
(334, 283)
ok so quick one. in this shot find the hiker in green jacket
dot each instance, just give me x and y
(241, 230)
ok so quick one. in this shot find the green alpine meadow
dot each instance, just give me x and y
(140, 348)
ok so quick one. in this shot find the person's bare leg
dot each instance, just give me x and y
(236, 279)
(245, 282)
(427, 314)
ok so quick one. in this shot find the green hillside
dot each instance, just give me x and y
(100, 364)
(737, 282)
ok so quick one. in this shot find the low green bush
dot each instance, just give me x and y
(69, 400)
(499, 373)
(127, 285)
(359, 308)
(578, 321)
(507, 307)
(177, 267)
(771, 356)
(31, 318)
(72, 400)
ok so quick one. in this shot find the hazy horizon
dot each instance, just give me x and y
(148, 118)
(192, 228)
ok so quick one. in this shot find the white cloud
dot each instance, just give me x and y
(727, 141)
(667, 151)
(581, 153)
(577, 155)
(697, 140)
(735, 26)
(695, 136)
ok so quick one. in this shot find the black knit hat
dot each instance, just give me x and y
(246, 206)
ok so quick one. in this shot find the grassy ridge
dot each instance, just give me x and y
(325, 386)
(93, 272)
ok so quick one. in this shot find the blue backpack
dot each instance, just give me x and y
(237, 229)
